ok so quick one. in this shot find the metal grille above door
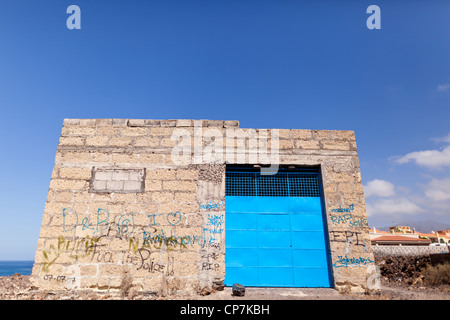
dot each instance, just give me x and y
(282, 184)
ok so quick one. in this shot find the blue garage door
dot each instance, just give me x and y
(274, 230)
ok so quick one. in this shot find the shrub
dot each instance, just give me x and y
(437, 275)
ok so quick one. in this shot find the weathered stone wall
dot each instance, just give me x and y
(121, 203)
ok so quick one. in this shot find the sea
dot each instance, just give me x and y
(8, 268)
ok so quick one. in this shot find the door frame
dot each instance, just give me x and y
(295, 168)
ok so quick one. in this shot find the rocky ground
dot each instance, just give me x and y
(18, 287)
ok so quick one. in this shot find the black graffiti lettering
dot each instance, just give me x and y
(352, 237)
(147, 263)
(212, 255)
(206, 266)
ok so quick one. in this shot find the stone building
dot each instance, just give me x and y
(177, 206)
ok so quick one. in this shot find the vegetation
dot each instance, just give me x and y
(437, 275)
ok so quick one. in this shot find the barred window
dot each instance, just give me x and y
(281, 184)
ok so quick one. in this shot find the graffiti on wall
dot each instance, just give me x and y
(345, 217)
(344, 261)
(353, 240)
(212, 206)
(145, 243)
(349, 219)
(350, 208)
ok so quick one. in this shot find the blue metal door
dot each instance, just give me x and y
(274, 230)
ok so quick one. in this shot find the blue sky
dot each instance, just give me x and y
(266, 63)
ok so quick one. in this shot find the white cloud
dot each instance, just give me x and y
(442, 139)
(392, 206)
(380, 188)
(386, 202)
(443, 87)
(428, 158)
(438, 190)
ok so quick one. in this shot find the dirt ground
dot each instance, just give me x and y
(19, 287)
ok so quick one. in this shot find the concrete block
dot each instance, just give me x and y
(151, 158)
(307, 144)
(136, 175)
(87, 122)
(342, 177)
(143, 197)
(107, 131)
(97, 141)
(168, 207)
(184, 123)
(160, 175)
(136, 123)
(119, 122)
(99, 185)
(76, 157)
(284, 133)
(75, 173)
(82, 131)
(190, 207)
(136, 131)
(63, 196)
(168, 143)
(162, 196)
(147, 142)
(343, 135)
(214, 123)
(71, 141)
(167, 123)
(120, 142)
(113, 270)
(71, 122)
(120, 175)
(161, 131)
(124, 158)
(322, 134)
(103, 122)
(185, 196)
(62, 184)
(286, 144)
(132, 186)
(88, 270)
(335, 145)
(301, 134)
(124, 197)
(153, 185)
(152, 123)
(103, 175)
(114, 185)
(187, 174)
(100, 157)
(179, 185)
(231, 124)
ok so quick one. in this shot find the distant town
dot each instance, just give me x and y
(404, 236)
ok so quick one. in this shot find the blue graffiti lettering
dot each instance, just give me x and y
(125, 225)
(351, 262)
(211, 205)
(340, 209)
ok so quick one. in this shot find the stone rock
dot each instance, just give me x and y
(238, 290)
(218, 285)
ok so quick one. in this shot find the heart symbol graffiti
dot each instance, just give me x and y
(174, 217)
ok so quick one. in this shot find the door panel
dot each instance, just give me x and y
(275, 239)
